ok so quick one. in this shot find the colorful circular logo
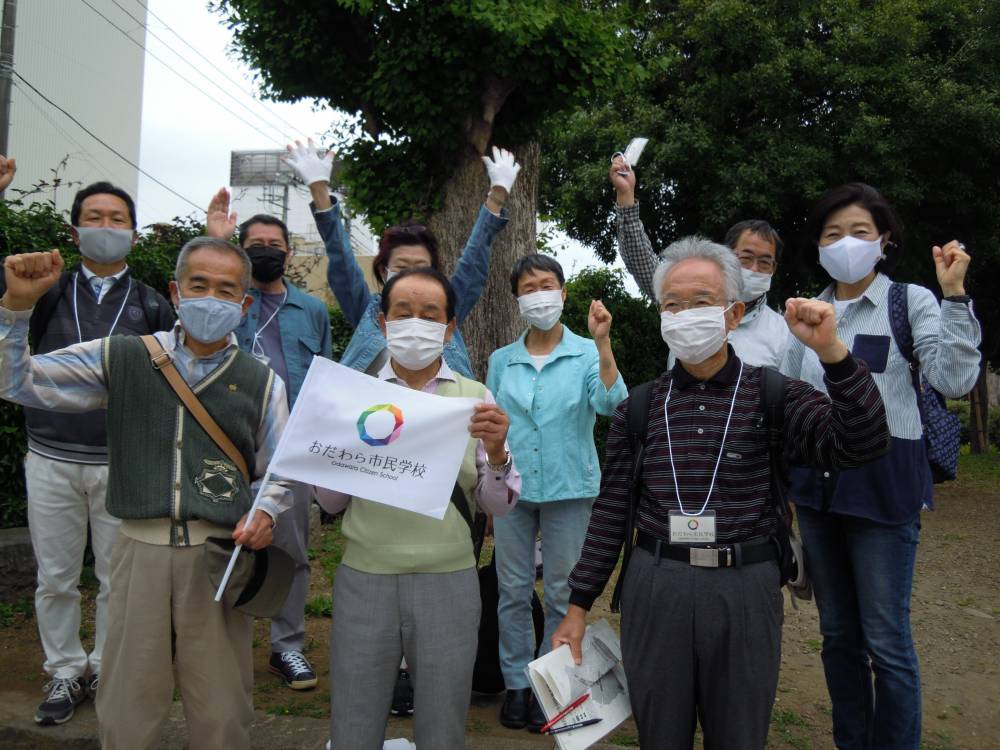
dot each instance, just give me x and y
(393, 433)
(693, 524)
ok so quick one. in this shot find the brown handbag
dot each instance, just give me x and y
(161, 361)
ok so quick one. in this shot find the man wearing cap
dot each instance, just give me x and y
(284, 328)
(761, 338)
(66, 469)
(172, 485)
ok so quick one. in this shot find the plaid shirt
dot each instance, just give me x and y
(843, 430)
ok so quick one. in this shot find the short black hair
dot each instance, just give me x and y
(273, 221)
(426, 272)
(532, 263)
(755, 226)
(870, 199)
(101, 188)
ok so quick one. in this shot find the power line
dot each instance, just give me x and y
(142, 4)
(189, 81)
(110, 148)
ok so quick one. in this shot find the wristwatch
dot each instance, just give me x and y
(962, 299)
(502, 468)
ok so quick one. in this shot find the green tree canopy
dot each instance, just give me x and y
(755, 108)
(425, 80)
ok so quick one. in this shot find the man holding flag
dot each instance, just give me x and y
(408, 583)
(173, 483)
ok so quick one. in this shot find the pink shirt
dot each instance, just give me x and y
(496, 491)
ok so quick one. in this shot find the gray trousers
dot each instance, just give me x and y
(288, 627)
(432, 619)
(705, 643)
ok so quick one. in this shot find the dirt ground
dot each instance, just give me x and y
(956, 621)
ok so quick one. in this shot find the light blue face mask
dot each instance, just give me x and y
(208, 319)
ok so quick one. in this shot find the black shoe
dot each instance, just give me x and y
(536, 716)
(514, 712)
(294, 669)
(402, 695)
(92, 682)
(64, 696)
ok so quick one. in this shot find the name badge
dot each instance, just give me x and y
(698, 529)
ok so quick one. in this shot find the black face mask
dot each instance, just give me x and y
(268, 263)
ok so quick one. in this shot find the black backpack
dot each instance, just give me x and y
(772, 398)
(486, 675)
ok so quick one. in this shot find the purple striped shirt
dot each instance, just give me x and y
(843, 430)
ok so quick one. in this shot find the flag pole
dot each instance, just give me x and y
(236, 552)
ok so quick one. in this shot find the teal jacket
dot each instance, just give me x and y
(304, 322)
(552, 414)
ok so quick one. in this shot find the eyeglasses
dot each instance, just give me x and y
(765, 263)
(674, 306)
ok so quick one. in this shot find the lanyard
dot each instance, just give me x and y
(255, 346)
(670, 447)
(76, 315)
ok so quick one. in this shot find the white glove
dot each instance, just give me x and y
(307, 163)
(502, 168)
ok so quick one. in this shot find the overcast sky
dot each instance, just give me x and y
(187, 134)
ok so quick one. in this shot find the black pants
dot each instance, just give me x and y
(705, 643)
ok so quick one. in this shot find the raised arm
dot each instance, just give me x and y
(605, 386)
(473, 266)
(846, 429)
(70, 379)
(633, 243)
(343, 274)
(8, 167)
(946, 339)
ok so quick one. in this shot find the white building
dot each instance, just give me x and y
(89, 68)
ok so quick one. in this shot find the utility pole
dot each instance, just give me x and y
(6, 69)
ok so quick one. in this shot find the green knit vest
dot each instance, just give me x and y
(161, 463)
(383, 539)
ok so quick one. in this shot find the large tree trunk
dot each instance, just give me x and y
(494, 321)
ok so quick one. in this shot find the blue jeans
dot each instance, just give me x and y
(862, 574)
(563, 524)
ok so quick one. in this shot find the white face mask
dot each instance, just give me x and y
(694, 335)
(850, 259)
(754, 284)
(104, 244)
(413, 342)
(541, 309)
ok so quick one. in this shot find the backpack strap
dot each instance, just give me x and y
(902, 332)
(45, 308)
(636, 427)
(477, 525)
(772, 402)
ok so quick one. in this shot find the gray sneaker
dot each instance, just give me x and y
(64, 694)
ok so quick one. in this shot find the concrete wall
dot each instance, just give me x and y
(90, 69)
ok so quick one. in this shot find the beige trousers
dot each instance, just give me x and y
(157, 590)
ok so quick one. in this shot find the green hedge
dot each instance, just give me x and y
(961, 410)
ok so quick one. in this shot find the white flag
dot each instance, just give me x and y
(353, 433)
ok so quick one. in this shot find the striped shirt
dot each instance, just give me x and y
(842, 430)
(945, 340)
(761, 338)
(73, 380)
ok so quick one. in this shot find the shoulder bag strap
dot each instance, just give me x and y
(161, 361)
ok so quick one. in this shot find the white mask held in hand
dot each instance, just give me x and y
(413, 342)
(694, 335)
(850, 259)
(541, 309)
(754, 284)
(104, 244)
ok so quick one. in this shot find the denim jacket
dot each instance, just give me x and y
(361, 307)
(304, 324)
(552, 414)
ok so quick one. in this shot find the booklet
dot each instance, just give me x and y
(557, 681)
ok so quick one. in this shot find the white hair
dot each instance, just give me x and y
(699, 247)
